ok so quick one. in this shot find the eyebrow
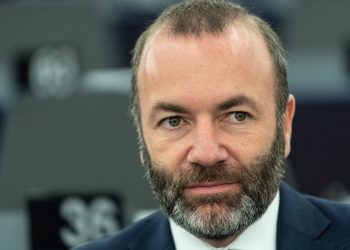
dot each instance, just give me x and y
(225, 105)
(167, 107)
(237, 101)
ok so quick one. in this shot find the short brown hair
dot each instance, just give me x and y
(194, 17)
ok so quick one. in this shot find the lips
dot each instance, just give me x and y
(211, 187)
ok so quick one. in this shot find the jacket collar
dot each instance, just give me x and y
(156, 235)
(300, 223)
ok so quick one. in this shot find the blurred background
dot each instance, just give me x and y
(69, 168)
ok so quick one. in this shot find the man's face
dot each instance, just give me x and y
(213, 150)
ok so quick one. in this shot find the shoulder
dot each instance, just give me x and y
(123, 238)
(339, 213)
(331, 209)
(317, 218)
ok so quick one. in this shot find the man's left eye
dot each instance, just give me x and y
(238, 116)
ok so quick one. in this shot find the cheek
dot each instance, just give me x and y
(169, 154)
(245, 148)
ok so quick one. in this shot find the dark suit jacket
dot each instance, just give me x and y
(304, 222)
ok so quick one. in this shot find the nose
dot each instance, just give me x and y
(207, 148)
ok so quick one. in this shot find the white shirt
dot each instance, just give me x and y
(261, 235)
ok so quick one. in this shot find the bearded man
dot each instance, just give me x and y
(213, 113)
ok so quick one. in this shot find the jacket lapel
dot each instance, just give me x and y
(155, 236)
(300, 223)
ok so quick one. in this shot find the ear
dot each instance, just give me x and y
(287, 124)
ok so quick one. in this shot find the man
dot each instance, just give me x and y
(214, 117)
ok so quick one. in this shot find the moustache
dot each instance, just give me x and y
(219, 172)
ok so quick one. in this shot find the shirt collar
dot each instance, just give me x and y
(260, 235)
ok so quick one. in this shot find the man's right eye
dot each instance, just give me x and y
(172, 122)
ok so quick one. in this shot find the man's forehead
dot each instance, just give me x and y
(238, 35)
(237, 42)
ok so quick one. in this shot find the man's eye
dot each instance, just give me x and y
(172, 122)
(238, 116)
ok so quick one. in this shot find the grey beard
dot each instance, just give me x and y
(216, 226)
(232, 213)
